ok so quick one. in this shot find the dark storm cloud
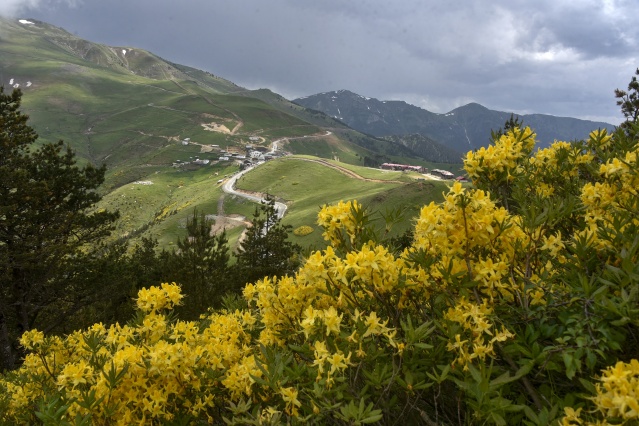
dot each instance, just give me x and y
(561, 57)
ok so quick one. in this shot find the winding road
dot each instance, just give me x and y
(229, 186)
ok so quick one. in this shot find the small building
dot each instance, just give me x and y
(444, 174)
(202, 162)
(402, 167)
(224, 158)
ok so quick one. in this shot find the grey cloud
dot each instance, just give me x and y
(12, 8)
(560, 57)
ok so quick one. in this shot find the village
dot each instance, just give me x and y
(252, 153)
(434, 173)
(247, 155)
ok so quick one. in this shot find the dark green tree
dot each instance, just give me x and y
(510, 124)
(47, 220)
(103, 284)
(201, 266)
(629, 102)
(265, 250)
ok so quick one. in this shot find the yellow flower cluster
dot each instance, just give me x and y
(561, 160)
(338, 218)
(615, 192)
(157, 298)
(279, 303)
(139, 373)
(618, 392)
(500, 161)
(465, 221)
(469, 233)
(335, 361)
(477, 326)
(617, 396)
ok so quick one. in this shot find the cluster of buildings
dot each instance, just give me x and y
(403, 167)
(246, 156)
(444, 174)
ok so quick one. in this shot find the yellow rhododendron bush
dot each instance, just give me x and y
(517, 302)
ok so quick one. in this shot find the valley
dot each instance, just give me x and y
(183, 130)
(187, 131)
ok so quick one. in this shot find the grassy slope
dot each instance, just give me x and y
(307, 186)
(106, 106)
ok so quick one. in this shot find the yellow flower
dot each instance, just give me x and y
(154, 298)
(332, 321)
(75, 374)
(338, 361)
(32, 338)
(374, 325)
(289, 395)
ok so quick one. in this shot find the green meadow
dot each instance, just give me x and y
(306, 186)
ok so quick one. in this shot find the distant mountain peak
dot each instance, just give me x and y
(463, 128)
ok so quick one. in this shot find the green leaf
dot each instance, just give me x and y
(588, 386)
(569, 362)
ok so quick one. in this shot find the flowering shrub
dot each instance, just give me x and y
(303, 230)
(512, 297)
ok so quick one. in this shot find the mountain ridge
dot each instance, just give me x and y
(128, 107)
(464, 128)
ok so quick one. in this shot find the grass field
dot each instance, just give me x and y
(160, 209)
(307, 186)
(369, 172)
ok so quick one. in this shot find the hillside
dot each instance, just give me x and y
(131, 109)
(127, 107)
(150, 120)
(462, 129)
(426, 147)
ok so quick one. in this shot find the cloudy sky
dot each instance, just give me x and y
(559, 57)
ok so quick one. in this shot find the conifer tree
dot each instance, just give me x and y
(265, 249)
(46, 219)
(200, 266)
(629, 101)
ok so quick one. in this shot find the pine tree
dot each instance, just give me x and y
(200, 266)
(265, 250)
(510, 124)
(46, 220)
(629, 102)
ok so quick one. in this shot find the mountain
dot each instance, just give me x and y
(130, 109)
(127, 107)
(164, 129)
(425, 147)
(462, 129)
